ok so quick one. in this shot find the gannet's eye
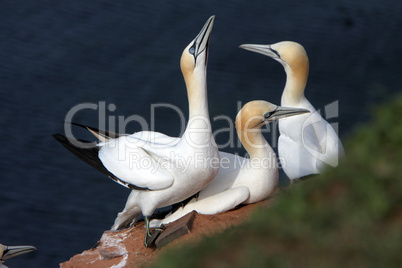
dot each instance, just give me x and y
(268, 114)
(276, 52)
(191, 50)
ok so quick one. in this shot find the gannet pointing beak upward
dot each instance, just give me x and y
(201, 43)
(241, 180)
(8, 252)
(307, 143)
(151, 163)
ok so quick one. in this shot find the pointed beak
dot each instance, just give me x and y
(12, 251)
(201, 42)
(262, 49)
(282, 112)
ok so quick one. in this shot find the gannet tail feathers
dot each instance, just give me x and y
(126, 218)
(89, 154)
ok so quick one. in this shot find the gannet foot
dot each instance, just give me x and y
(163, 227)
(147, 232)
(151, 237)
(147, 243)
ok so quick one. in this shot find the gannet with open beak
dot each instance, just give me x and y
(307, 143)
(8, 252)
(154, 169)
(241, 180)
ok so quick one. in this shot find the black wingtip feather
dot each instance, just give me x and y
(108, 134)
(89, 155)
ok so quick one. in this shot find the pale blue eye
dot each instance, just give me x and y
(191, 50)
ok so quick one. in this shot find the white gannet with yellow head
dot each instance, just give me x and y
(161, 170)
(8, 252)
(241, 180)
(307, 143)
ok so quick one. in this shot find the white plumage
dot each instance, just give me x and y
(151, 163)
(156, 165)
(307, 143)
(241, 180)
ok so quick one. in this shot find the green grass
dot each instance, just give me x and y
(349, 216)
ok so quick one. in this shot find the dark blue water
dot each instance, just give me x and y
(57, 54)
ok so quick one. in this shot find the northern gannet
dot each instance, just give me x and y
(241, 180)
(307, 143)
(8, 252)
(151, 163)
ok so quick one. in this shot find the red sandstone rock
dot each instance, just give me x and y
(126, 247)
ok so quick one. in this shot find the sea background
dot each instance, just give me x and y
(55, 55)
